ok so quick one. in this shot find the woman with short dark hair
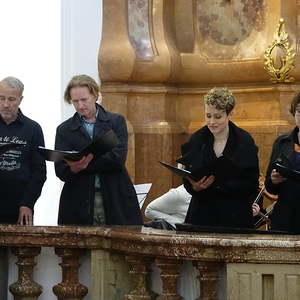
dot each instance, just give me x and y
(221, 201)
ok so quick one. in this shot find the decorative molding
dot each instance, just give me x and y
(281, 74)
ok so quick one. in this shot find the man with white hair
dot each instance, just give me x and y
(22, 169)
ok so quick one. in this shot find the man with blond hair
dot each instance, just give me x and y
(97, 188)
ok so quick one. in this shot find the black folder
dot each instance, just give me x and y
(179, 171)
(222, 168)
(10, 146)
(99, 146)
(287, 172)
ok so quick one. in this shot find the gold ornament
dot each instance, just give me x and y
(287, 61)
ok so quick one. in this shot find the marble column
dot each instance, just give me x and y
(139, 270)
(208, 276)
(169, 275)
(25, 288)
(69, 288)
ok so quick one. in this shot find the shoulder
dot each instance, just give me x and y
(283, 140)
(66, 124)
(286, 137)
(199, 135)
(243, 135)
(33, 125)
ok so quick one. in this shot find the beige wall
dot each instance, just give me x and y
(158, 84)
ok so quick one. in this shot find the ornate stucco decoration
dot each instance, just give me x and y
(287, 60)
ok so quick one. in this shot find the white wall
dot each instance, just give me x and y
(31, 51)
(44, 43)
(81, 35)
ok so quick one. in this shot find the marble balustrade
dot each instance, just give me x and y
(229, 266)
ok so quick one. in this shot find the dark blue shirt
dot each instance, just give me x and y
(22, 170)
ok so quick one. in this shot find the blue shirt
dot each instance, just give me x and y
(89, 127)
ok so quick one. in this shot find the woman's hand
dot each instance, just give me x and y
(276, 178)
(202, 184)
(255, 209)
(77, 166)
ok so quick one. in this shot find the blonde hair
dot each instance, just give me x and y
(81, 81)
(221, 99)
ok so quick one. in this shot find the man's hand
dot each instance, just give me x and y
(25, 216)
(276, 178)
(77, 166)
(202, 184)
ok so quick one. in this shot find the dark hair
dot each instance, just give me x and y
(294, 103)
(221, 99)
(82, 81)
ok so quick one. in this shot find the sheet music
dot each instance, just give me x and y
(142, 191)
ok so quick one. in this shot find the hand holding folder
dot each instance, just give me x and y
(101, 145)
(287, 172)
(221, 168)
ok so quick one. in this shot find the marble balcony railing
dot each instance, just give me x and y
(138, 248)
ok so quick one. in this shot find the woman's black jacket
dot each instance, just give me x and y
(227, 202)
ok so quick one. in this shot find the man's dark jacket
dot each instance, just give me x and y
(227, 202)
(22, 170)
(77, 197)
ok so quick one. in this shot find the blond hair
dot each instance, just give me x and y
(221, 99)
(81, 81)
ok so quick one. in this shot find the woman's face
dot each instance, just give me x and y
(216, 120)
(297, 115)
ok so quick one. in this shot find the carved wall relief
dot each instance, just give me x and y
(229, 23)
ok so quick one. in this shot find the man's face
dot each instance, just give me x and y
(84, 102)
(10, 100)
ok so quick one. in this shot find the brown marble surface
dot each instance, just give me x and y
(137, 240)
(196, 45)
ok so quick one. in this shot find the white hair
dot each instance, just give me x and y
(13, 83)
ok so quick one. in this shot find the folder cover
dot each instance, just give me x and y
(287, 172)
(99, 146)
(222, 168)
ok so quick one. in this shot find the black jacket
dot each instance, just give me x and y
(286, 213)
(226, 202)
(77, 197)
(23, 170)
